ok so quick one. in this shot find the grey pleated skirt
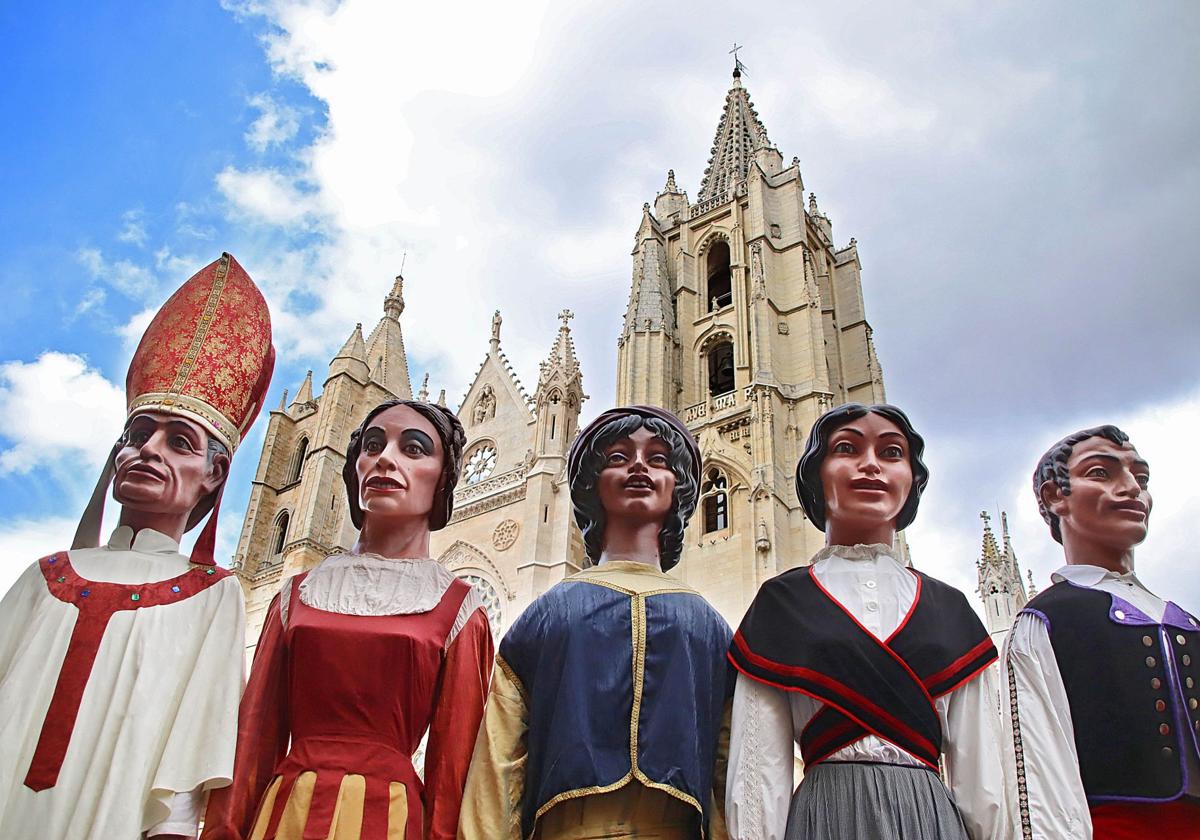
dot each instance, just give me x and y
(848, 801)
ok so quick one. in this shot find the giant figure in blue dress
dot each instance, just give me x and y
(610, 691)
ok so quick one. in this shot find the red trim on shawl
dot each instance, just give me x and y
(959, 663)
(912, 608)
(832, 685)
(96, 601)
(876, 639)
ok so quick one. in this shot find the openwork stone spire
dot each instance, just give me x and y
(740, 134)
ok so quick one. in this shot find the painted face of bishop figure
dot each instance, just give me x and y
(400, 465)
(637, 483)
(164, 466)
(866, 478)
(1109, 503)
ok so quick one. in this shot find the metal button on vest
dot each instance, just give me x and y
(1179, 638)
(1120, 614)
(1194, 703)
(1191, 683)
(1150, 663)
(1164, 729)
(1156, 683)
(1147, 641)
(1187, 659)
(870, 584)
(1167, 752)
(1160, 706)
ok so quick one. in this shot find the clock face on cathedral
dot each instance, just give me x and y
(480, 463)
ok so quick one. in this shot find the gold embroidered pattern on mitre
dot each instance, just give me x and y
(203, 354)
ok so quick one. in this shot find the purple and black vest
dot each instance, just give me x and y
(1133, 686)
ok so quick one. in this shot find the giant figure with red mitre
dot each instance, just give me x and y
(121, 664)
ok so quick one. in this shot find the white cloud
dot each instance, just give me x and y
(265, 195)
(945, 539)
(133, 228)
(24, 541)
(276, 124)
(131, 331)
(57, 411)
(91, 299)
(130, 279)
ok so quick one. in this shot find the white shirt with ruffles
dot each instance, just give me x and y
(878, 590)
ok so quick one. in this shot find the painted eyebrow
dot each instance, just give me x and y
(1137, 462)
(893, 434)
(418, 436)
(848, 429)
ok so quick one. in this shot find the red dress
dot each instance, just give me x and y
(355, 694)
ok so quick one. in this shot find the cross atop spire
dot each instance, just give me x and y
(991, 551)
(740, 134)
(565, 316)
(738, 67)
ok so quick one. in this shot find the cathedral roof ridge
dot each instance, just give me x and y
(740, 133)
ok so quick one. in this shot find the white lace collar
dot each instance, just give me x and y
(367, 584)
(856, 552)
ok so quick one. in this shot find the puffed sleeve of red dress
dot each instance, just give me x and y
(458, 712)
(262, 736)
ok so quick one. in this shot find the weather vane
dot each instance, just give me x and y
(738, 67)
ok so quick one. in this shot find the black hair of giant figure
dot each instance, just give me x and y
(1053, 467)
(453, 438)
(587, 460)
(808, 470)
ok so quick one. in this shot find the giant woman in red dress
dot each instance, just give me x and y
(362, 655)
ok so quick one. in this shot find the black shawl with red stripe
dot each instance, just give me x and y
(797, 637)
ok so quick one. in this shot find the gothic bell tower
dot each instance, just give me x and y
(747, 320)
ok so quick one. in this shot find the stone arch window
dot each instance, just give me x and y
(719, 285)
(492, 604)
(280, 533)
(480, 462)
(297, 467)
(720, 367)
(714, 498)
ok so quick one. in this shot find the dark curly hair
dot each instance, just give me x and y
(589, 513)
(1053, 467)
(808, 471)
(453, 438)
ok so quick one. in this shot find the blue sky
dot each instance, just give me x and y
(1025, 203)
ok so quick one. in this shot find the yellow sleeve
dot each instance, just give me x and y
(491, 807)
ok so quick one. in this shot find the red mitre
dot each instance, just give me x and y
(207, 357)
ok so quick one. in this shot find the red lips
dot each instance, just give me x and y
(382, 482)
(638, 481)
(145, 469)
(868, 484)
(1133, 506)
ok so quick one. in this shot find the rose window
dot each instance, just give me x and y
(490, 597)
(480, 463)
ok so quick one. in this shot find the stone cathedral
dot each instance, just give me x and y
(744, 317)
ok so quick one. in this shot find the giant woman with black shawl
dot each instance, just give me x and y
(877, 671)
